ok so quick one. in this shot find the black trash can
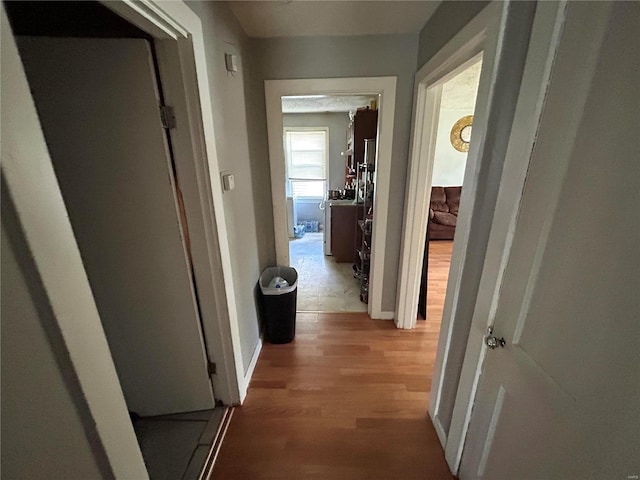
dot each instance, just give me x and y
(279, 287)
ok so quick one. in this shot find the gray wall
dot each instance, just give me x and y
(361, 56)
(43, 435)
(241, 132)
(443, 25)
(247, 208)
(337, 124)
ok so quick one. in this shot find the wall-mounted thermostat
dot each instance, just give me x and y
(228, 181)
(231, 61)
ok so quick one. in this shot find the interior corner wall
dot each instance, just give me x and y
(354, 56)
(444, 24)
(337, 124)
(248, 207)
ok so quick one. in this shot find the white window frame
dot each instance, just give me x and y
(326, 160)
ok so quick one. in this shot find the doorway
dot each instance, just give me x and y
(453, 136)
(504, 35)
(324, 142)
(119, 186)
(378, 167)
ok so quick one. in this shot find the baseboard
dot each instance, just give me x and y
(385, 316)
(207, 469)
(442, 436)
(252, 365)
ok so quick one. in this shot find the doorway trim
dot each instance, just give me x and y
(499, 30)
(179, 41)
(386, 88)
(545, 25)
(458, 53)
(463, 50)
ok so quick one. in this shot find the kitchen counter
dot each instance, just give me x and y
(343, 202)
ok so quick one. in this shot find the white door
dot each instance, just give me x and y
(98, 104)
(561, 400)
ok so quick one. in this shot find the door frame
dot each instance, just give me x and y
(516, 33)
(463, 50)
(386, 88)
(545, 41)
(179, 41)
(505, 113)
(558, 32)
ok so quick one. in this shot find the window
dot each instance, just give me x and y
(306, 155)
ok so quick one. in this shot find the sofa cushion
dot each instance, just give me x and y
(453, 198)
(439, 200)
(444, 218)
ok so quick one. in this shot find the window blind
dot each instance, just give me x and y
(306, 154)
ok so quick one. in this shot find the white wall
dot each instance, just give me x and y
(449, 164)
(458, 100)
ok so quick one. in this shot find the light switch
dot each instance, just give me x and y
(228, 181)
(231, 61)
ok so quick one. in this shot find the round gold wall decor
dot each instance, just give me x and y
(461, 133)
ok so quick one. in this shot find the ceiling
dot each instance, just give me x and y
(325, 103)
(295, 18)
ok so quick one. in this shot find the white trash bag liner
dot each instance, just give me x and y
(278, 280)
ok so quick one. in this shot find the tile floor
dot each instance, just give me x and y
(323, 284)
(176, 446)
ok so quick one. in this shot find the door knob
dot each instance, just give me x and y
(492, 341)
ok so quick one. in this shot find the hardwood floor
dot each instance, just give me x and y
(347, 399)
(439, 261)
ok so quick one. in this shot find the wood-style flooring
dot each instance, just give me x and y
(439, 261)
(347, 399)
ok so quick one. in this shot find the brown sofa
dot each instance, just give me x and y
(443, 212)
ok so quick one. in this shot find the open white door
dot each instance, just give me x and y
(98, 104)
(561, 399)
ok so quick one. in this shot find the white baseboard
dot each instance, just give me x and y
(252, 365)
(385, 316)
(442, 436)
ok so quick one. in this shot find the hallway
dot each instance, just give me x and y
(347, 399)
